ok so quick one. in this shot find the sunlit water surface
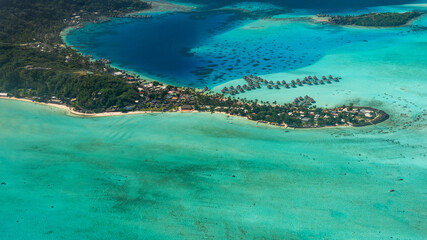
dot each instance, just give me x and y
(203, 176)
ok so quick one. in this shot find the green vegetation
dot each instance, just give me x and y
(167, 98)
(24, 20)
(387, 19)
(35, 64)
(27, 72)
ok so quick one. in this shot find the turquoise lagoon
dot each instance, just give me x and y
(204, 176)
(208, 48)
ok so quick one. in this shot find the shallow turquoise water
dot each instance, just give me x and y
(202, 176)
(213, 47)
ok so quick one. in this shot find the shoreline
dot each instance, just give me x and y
(160, 7)
(157, 7)
(326, 20)
(165, 8)
(73, 113)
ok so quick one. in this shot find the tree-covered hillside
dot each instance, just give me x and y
(35, 63)
(23, 20)
(387, 19)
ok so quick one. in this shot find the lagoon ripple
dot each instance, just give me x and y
(212, 48)
(204, 176)
(183, 176)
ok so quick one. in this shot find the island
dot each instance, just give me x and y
(36, 65)
(386, 19)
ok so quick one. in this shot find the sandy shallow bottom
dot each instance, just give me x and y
(181, 176)
(203, 176)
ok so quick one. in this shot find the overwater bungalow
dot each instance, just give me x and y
(324, 78)
(336, 79)
(328, 81)
(330, 76)
(315, 82)
(276, 86)
(283, 82)
(293, 85)
(315, 78)
(271, 82)
(321, 82)
(301, 98)
(304, 82)
(278, 82)
(292, 82)
(269, 87)
(299, 83)
(205, 89)
(286, 85)
(231, 87)
(309, 83)
(298, 80)
(309, 77)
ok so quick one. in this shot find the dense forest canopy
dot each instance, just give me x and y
(22, 20)
(53, 77)
(386, 19)
(34, 63)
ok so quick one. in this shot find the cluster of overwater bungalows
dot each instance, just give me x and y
(303, 101)
(254, 82)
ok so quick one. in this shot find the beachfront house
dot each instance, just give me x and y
(186, 108)
(3, 94)
(366, 112)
